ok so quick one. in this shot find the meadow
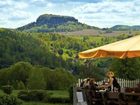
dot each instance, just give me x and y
(36, 103)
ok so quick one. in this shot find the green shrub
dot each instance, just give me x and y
(35, 95)
(46, 97)
(7, 89)
(23, 95)
(38, 95)
(71, 94)
(20, 85)
(9, 100)
(58, 100)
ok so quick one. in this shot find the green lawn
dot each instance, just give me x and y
(36, 103)
(58, 93)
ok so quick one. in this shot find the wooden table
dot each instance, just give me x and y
(131, 96)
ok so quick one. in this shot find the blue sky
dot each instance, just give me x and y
(100, 13)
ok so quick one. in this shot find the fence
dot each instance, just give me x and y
(123, 82)
(128, 83)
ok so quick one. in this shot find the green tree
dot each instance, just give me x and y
(21, 85)
(127, 68)
(58, 79)
(36, 79)
(20, 71)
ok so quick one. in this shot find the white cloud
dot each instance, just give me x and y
(101, 13)
(21, 5)
(19, 15)
(107, 14)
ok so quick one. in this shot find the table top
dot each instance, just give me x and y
(101, 91)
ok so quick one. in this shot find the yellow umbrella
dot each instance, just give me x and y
(127, 48)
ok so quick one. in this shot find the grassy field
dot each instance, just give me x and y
(58, 93)
(94, 32)
(36, 103)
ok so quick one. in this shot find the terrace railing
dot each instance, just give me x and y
(123, 82)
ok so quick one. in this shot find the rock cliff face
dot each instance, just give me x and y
(49, 21)
(52, 20)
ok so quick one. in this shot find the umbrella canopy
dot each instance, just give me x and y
(127, 48)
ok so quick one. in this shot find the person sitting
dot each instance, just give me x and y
(82, 84)
(92, 84)
(112, 82)
(86, 83)
(94, 95)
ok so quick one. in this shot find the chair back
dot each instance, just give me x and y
(113, 95)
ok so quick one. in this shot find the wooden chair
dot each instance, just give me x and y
(138, 85)
(130, 100)
(128, 89)
(113, 98)
(132, 103)
(95, 98)
(137, 90)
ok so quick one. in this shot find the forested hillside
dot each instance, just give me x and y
(49, 50)
(125, 27)
(56, 51)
